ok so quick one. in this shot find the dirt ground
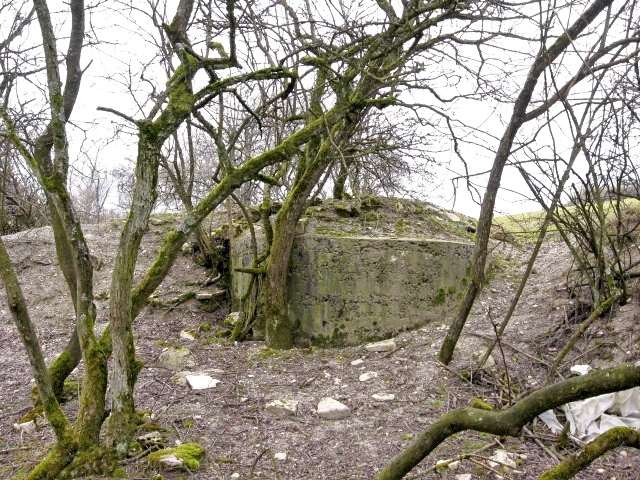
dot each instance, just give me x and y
(230, 420)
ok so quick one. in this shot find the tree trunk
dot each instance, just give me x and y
(126, 368)
(544, 58)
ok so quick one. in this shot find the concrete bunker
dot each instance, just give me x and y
(348, 289)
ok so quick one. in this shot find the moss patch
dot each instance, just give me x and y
(189, 453)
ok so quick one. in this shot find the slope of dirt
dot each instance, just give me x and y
(230, 420)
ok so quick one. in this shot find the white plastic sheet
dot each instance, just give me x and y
(594, 416)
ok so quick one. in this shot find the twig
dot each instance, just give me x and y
(388, 354)
(273, 461)
(14, 449)
(541, 445)
(119, 114)
(128, 461)
(504, 359)
(516, 349)
(451, 370)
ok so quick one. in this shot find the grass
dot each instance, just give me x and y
(525, 226)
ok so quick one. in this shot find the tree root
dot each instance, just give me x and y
(608, 440)
(510, 421)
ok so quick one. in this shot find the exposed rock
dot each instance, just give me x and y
(367, 376)
(383, 397)
(232, 319)
(331, 409)
(204, 296)
(447, 465)
(478, 354)
(280, 456)
(580, 369)
(201, 382)
(463, 476)
(175, 358)
(287, 406)
(501, 461)
(25, 427)
(383, 346)
(357, 362)
(151, 440)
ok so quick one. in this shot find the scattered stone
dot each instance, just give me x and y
(367, 376)
(501, 461)
(235, 475)
(383, 346)
(204, 296)
(175, 358)
(187, 335)
(287, 407)
(232, 319)
(152, 440)
(201, 382)
(357, 362)
(383, 397)
(331, 409)
(280, 456)
(25, 427)
(477, 356)
(463, 476)
(580, 369)
(447, 465)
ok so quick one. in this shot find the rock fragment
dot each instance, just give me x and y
(286, 406)
(331, 409)
(383, 346)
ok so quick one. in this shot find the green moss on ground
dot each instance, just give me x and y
(189, 453)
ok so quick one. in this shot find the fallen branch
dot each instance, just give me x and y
(511, 420)
(602, 444)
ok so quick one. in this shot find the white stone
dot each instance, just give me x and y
(235, 475)
(447, 464)
(171, 460)
(25, 427)
(477, 356)
(280, 456)
(331, 409)
(383, 346)
(287, 406)
(201, 382)
(580, 369)
(357, 362)
(383, 397)
(175, 358)
(502, 461)
(187, 335)
(463, 476)
(233, 318)
(367, 376)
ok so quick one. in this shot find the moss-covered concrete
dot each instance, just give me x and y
(345, 290)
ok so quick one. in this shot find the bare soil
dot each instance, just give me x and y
(230, 420)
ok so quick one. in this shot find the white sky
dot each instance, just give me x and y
(124, 45)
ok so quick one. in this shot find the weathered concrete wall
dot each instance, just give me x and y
(348, 290)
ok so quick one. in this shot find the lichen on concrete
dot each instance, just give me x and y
(347, 287)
